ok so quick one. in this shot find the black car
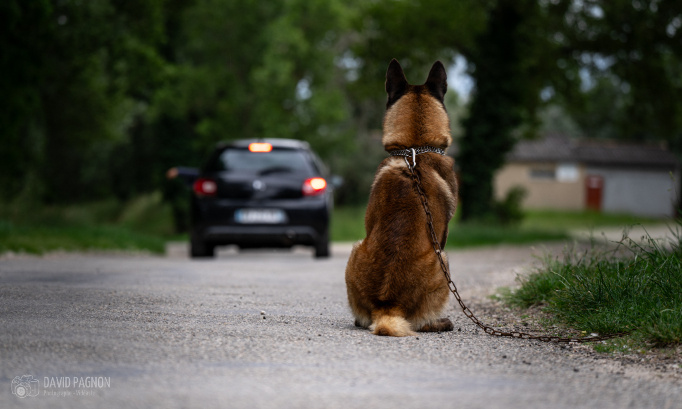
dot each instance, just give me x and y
(261, 193)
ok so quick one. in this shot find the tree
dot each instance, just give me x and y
(254, 69)
(613, 64)
(101, 96)
(630, 54)
(74, 74)
(511, 62)
(23, 30)
(505, 45)
(416, 32)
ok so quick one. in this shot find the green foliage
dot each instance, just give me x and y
(147, 214)
(536, 289)
(73, 76)
(23, 29)
(416, 33)
(255, 69)
(508, 210)
(143, 223)
(511, 63)
(100, 97)
(597, 292)
(632, 51)
(601, 110)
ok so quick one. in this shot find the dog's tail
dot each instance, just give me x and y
(388, 324)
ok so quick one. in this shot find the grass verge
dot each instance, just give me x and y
(607, 292)
(145, 223)
(473, 234)
(553, 219)
(537, 226)
(348, 223)
(141, 224)
(41, 239)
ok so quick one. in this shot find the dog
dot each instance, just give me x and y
(394, 280)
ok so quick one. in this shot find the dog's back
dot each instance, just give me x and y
(394, 282)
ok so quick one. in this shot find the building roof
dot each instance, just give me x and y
(561, 148)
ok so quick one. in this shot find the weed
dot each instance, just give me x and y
(606, 292)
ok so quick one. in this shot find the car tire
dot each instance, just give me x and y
(322, 246)
(201, 249)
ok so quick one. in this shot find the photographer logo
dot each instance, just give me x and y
(59, 386)
(25, 386)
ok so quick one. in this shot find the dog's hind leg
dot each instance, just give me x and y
(440, 325)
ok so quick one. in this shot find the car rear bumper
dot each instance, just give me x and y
(214, 223)
(261, 236)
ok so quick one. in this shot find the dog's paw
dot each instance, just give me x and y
(440, 325)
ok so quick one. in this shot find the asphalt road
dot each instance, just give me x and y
(273, 330)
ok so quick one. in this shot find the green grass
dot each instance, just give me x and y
(537, 226)
(142, 224)
(41, 239)
(348, 223)
(473, 234)
(603, 293)
(145, 222)
(562, 220)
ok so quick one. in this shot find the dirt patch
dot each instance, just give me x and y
(655, 363)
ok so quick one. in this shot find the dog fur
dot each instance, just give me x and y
(394, 281)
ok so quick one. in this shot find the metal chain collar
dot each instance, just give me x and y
(453, 288)
(413, 152)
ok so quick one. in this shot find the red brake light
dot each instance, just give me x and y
(205, 187)
(260, 147)
(314, 186)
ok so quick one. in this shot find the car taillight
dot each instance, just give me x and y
(314, 186)
(205, 187)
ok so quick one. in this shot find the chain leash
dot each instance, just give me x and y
(453, 288)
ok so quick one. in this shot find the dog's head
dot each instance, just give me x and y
(415, 114)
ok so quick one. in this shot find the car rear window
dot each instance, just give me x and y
(277, 160)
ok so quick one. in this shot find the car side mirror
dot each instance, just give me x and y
(336, 181)
(185, 174)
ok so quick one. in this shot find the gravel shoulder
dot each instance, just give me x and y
(273, 330)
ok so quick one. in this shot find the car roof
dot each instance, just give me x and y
(275, 142)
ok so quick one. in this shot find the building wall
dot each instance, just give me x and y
(548, 185)
(641, 192)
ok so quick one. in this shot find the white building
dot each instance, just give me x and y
(569, 174)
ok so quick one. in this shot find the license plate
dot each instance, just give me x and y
(264, 216)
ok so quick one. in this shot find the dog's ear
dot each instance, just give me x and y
(437, 82)
(396, 83)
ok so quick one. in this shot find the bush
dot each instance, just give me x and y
(508, 210)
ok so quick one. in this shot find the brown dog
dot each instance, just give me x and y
(394, 281)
